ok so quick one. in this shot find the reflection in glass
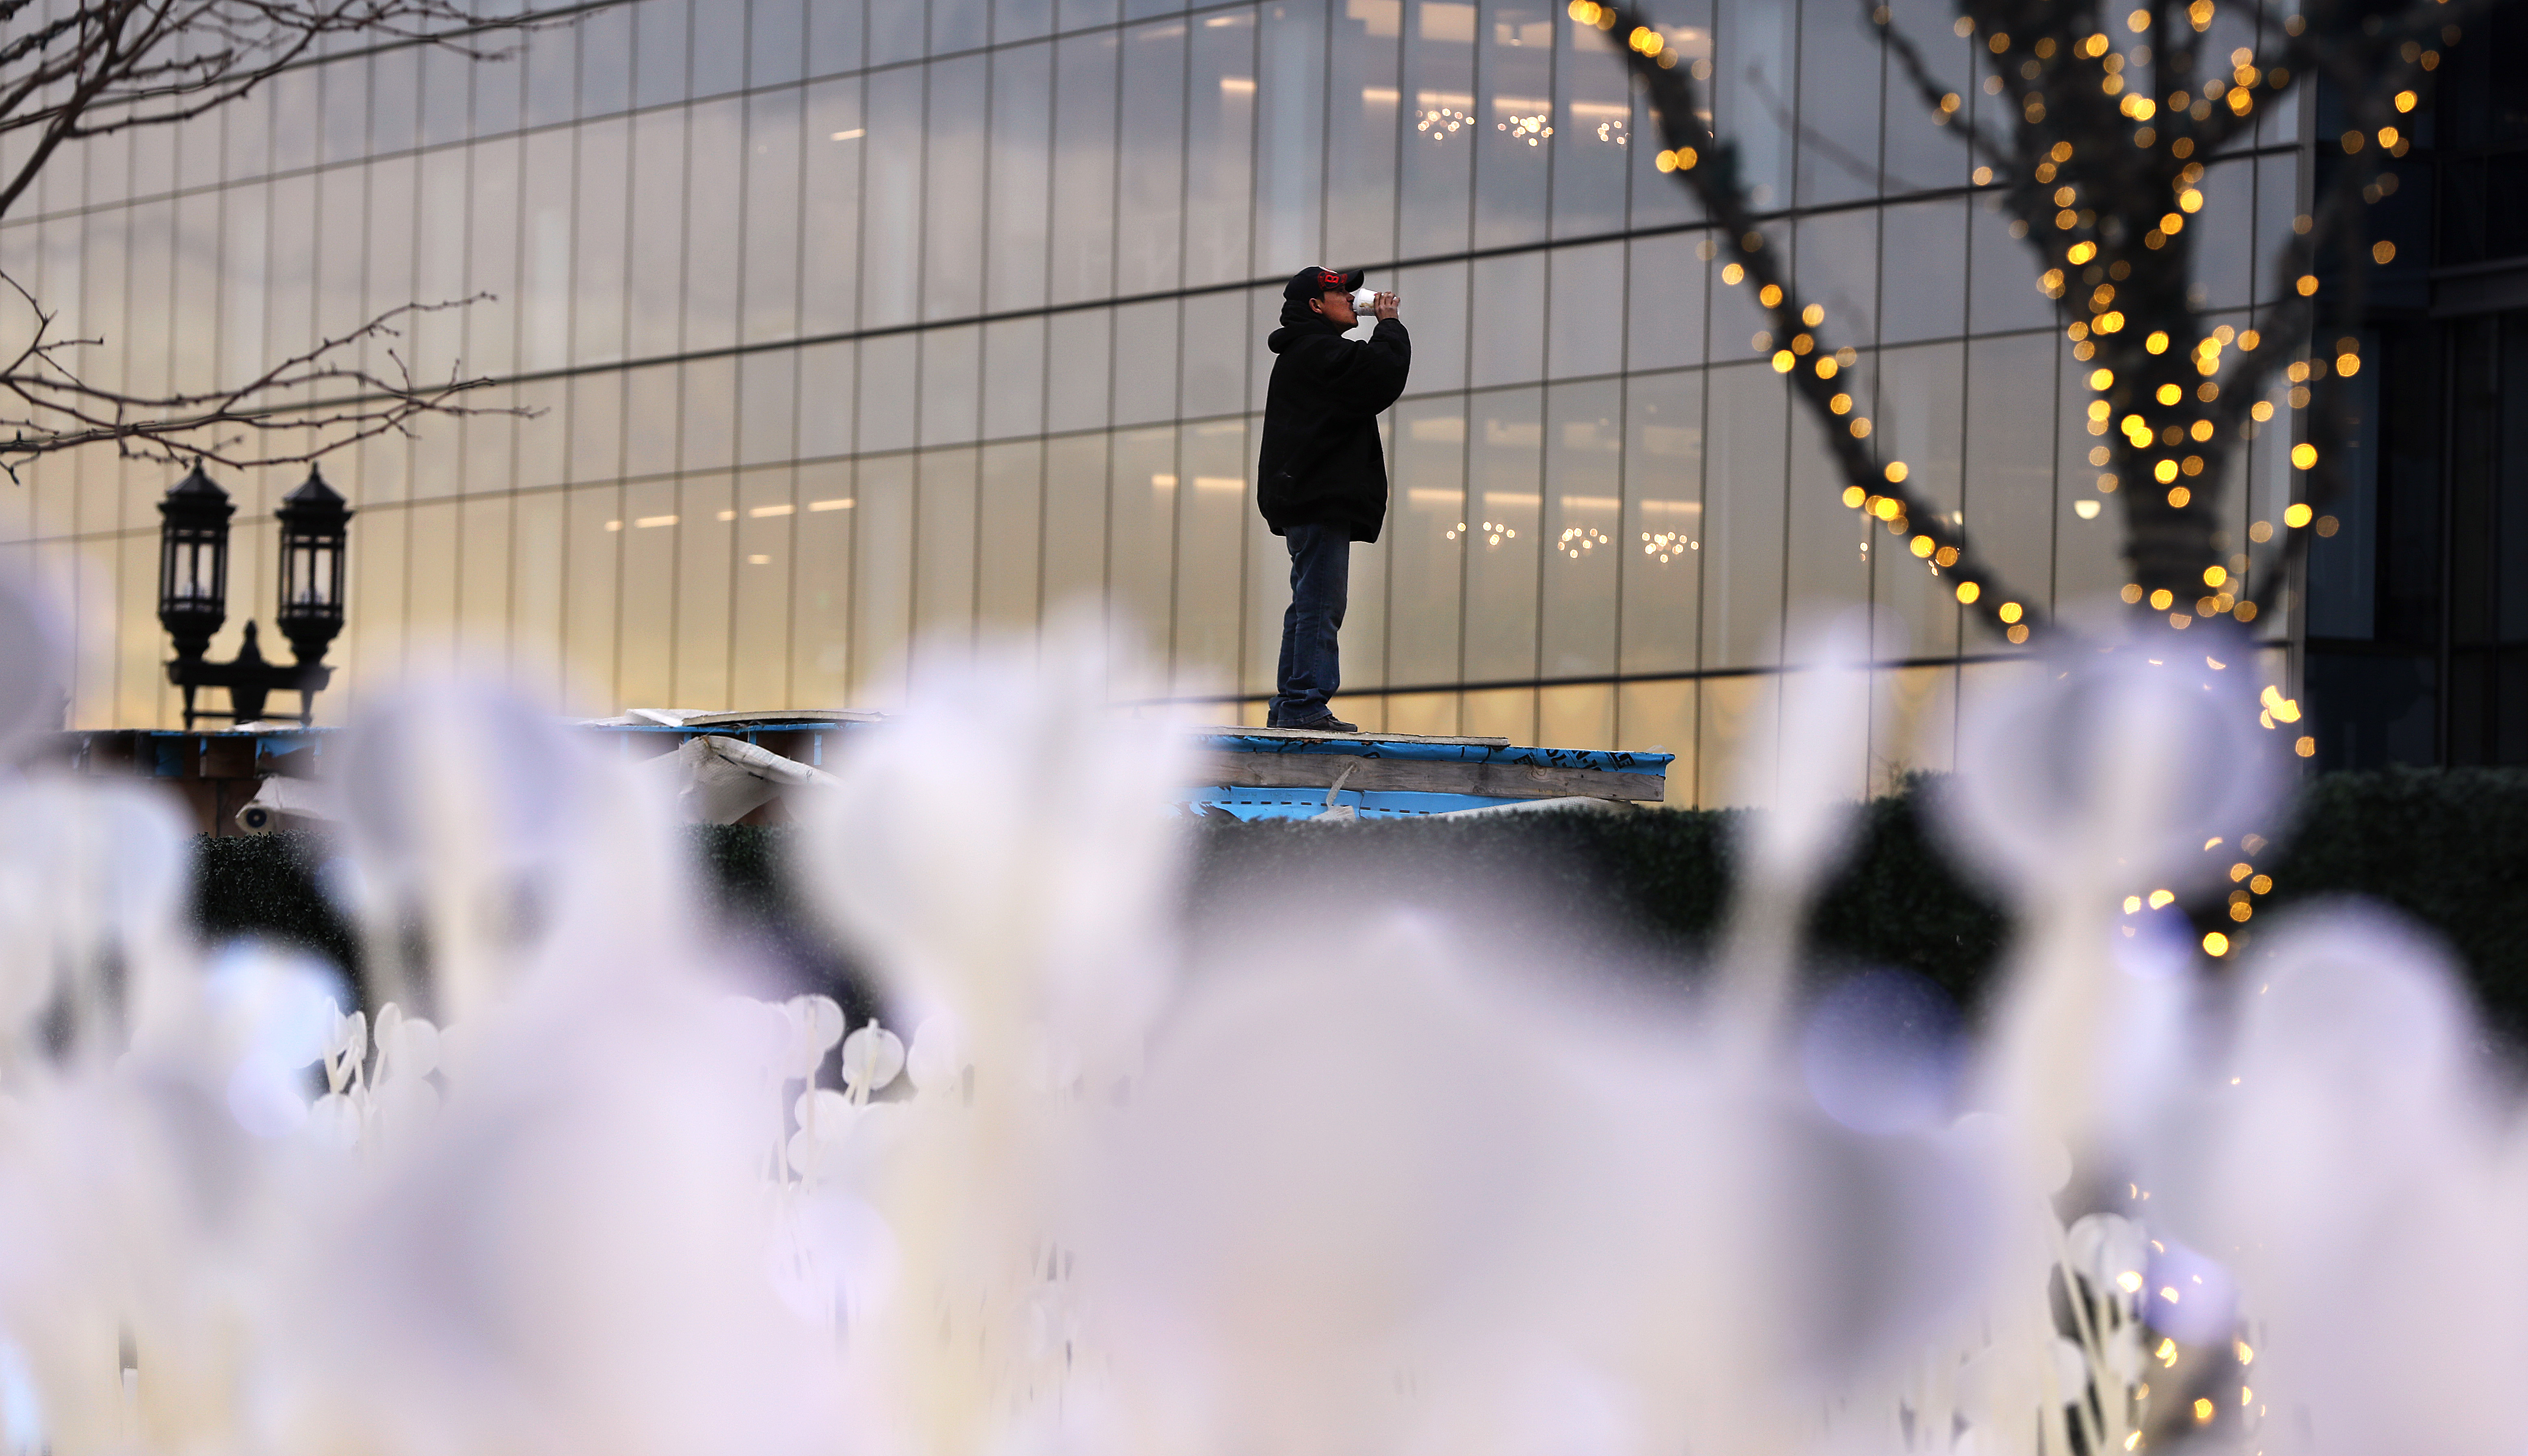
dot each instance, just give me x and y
(1020, 20)
(2004, 269)
(1498, 712)
(1212, 501)
(1505, 456)
(827, 392)
(1008, 545)
(1076, 369)
(658, 54)
(1013, 378)
(835, 28)
(1083, 262)
(891, 203)
(447, 82)
(1912, 724)
(1582, 531)
(2009, 431)
(1921, 156)
(600, 268)
(1662, 540)
(767, 407)
(951, 372)
(1827, 563)
(649, 411)
(1741, 550)
(2224, 264)
(716, 137)
(1741, 723)
(895, 32)
(1141, 512)
(820, 532)
(656, 231)
(1436, 176)
(718, 46)
(1841, 62)
(943, 553)
(1146, 362)
(1920, 419)
(952, 235)
(882, 523)
(1427, 538)
(1660, 718)
(430, 594)
(1150, 192)
(889, 367)
(1216, 358)
(1580, 715)
(2088, 559)
(1290, 137)
(1837, 268)
(1593, 134)
(1363, 102)
(835, 141)
(545, 294)
(1508, 324)
(709, 436)
(1074, 520)
(777, 36)
(773, 215)
(645, 652)
(1585, 317)
(705, 540)
(552, 66)
(1752, 89)
(1021, 90)
(1220, 146)
(958, 25)
(767, 513)
(1435, 314)
(1925, 245)
(1513, 119)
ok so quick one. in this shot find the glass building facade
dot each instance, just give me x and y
(854, 332)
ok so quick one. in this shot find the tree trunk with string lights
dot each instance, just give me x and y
(2116, 117)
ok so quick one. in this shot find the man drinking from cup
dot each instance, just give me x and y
(1322, 480)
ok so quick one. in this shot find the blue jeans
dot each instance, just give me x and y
(1311, 663)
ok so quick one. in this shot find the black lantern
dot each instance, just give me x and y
(315, 525)
(193, 563)
(193, 588)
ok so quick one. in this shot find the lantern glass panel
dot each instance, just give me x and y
(310, 576)
(193, 573)
(195, 580)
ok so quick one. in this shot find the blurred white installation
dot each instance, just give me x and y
(1358, 1177)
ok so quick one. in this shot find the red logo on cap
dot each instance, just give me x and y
(1330, 281)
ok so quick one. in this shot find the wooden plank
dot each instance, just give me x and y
(1427, 776)
(1310, 735)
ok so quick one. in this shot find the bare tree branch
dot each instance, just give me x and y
(46, 406)
(101, 67)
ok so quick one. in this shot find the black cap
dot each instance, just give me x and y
(1316, 283)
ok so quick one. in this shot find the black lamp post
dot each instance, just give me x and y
(315, 525)
(193, 594)
(193, 563)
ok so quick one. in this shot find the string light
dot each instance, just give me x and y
(2117, 296)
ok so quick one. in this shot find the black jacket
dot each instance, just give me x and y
(1322, 463)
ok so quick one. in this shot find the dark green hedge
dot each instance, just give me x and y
(267, 885)
(2447, 848)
